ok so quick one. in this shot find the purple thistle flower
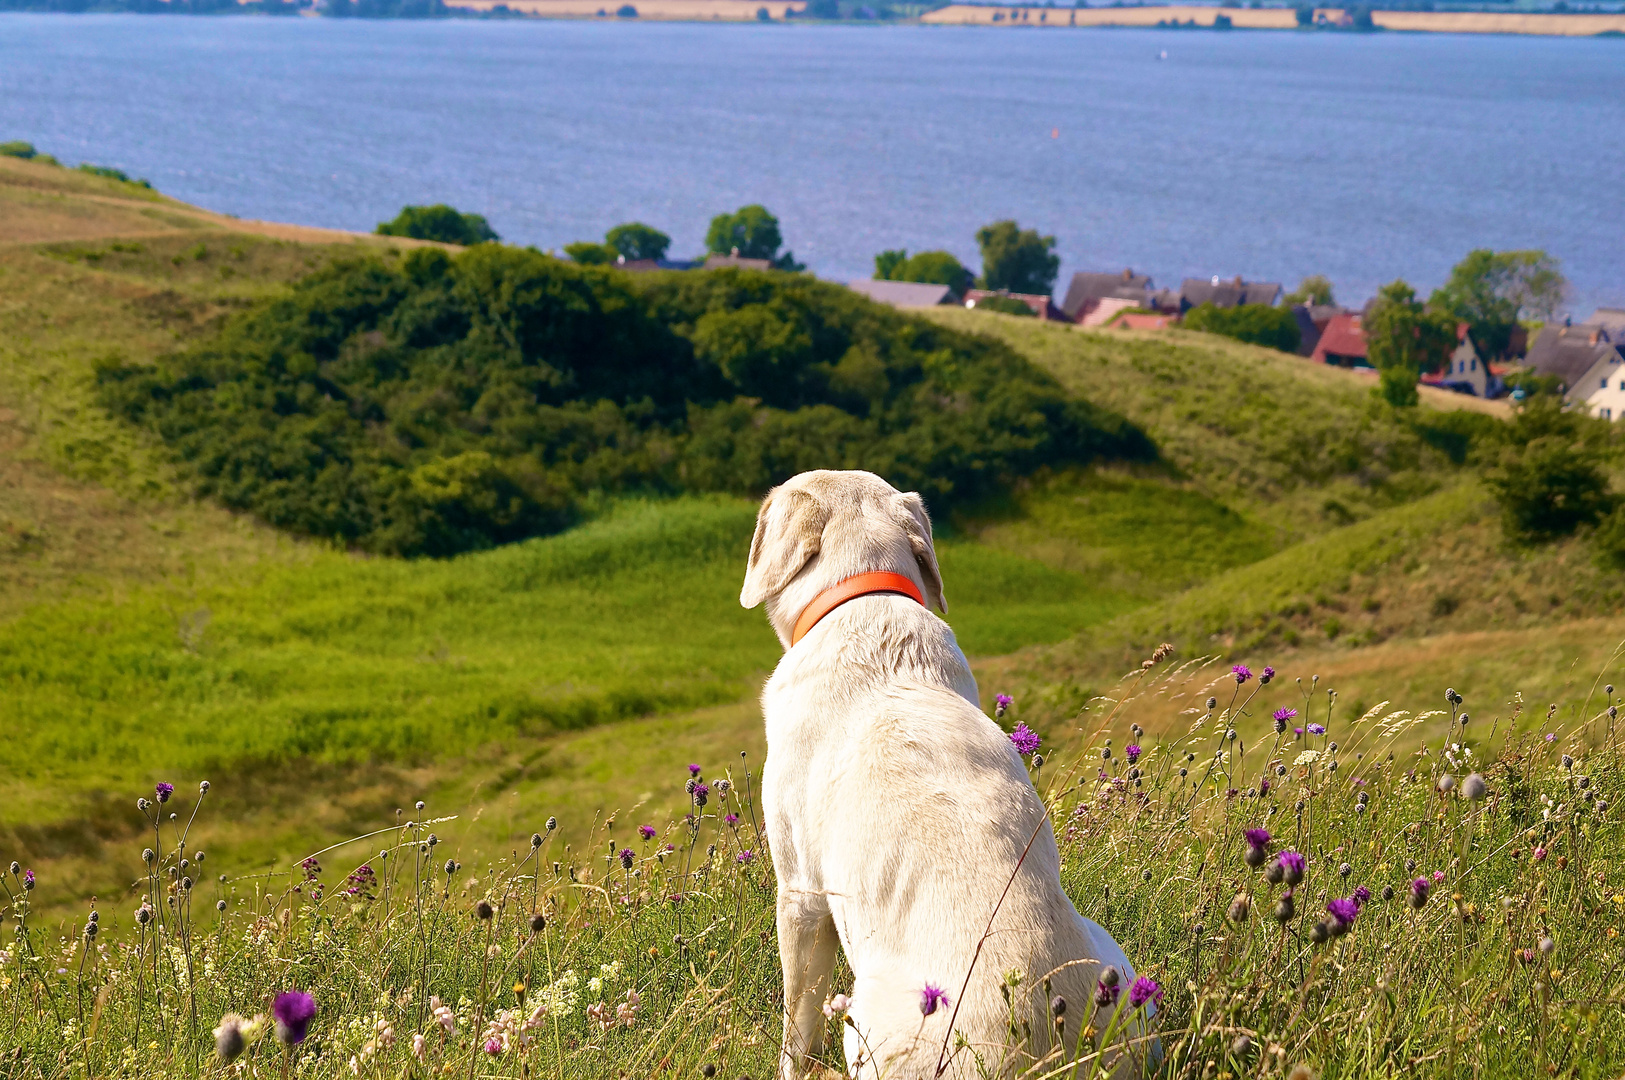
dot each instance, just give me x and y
(28, 879)
(1362, 896)
(1132, 753)
(1317, 729)
(932, 998)
(646, 831)
(1144, 990)
(693, 770)
(164, 791)
(1258, 837)
(1551, 738)
(701, 793)
(1344, 910)
(1263, 787)
(1291, 866)
(1001, 704)
(1297, 731)
(1284, 715)
(1025, 738)
(746, 856)
(1242, 673)
(1269, 673)
(731, 819)
(627, 857)
(294, 1010)
(1419, 892)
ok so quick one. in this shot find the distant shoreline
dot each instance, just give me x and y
(1168, 16)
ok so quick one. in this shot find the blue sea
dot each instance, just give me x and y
(1270, 155)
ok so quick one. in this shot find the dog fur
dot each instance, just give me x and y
(897, 810)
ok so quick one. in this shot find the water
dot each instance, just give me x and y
(1271, 155)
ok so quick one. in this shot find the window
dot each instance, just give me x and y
(1475, 364)
(1606, 413)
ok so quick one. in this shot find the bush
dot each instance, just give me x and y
(1017, 259)
(440, 223)
(626, 11)
(445, 404)
(18, 149)
(1005, 305)
(935, 267)
(1396, 384)
(1549, 478)
(1609, 541)
(108, 173)
(1258, 324)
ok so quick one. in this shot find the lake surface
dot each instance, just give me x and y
(1271, 155)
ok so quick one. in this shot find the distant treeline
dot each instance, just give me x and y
(360, 9)
(433, 403)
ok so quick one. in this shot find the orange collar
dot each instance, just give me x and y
(880, 581)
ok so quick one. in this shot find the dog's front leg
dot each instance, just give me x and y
(807, 943)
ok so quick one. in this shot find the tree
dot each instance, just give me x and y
(1016, 259)
(439, 222)
(887, 262)
(591, 253)
(934, 267)
(1404, 339)
(1258, 324)
(1314, 289)
(635, 240)
(1549, 479)
(1491, 290)
(753, 233)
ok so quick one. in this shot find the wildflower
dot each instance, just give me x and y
(1258, 842)
(1106, 988)
(724, 786)
(1269, 673)
(1551, 738)
(1419, 893)
(646, 831)
(1240, 907)
(1242, 673)
(1387, 892)
(293, 1009)
(730, 820)
(1001, 704)
(1144, 990)
(443, 1015)
(552, 823)
(419, 1043)
(1263, 787)
(701, 793)
(1473, 788)
(1286, 908)
(1292, 865)
(1447, 783)
(627, 856)
(1438, 876)
(28, 880)
(1317, 729)
(931, 998)
(693, 770)
(1344, 870)
(234, 1034)
(493, 1045)
(1320, 932)
(746, 856)
(837, 1005)
(626, 1012)
(1026, 740)
(1361, 896)
(164, 791)
(1282, 716)
(1132, 753)
(1343, 912)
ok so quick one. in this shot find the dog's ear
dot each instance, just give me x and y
(909, 509)
(789, 532)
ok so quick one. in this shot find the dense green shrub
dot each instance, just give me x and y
(1549, 478)
(18, 149)
(1005, 305)
(1259, 324)
(439, 222)
(447, 404)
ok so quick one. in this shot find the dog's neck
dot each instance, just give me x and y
(824, 573)
(880, 581)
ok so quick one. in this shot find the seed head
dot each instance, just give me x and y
(1473, 788)
(1547, 946)
(1240, 907)
(1285, 908)
(229, 1041)
(552, 823)
(483, 911)
(451, 867)
(1447, 783)
(538, 923)
(220, 905)
(535, 840)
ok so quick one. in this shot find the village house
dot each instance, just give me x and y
(1194, 292)
(1342, 343)
(1587, 362)
(904, 294)
(1468, 371)
(1312, 320)
(1044, 307)
(1086, 294)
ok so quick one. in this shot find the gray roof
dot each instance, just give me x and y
(1308, 332)
(903, 293)
(1611, 320)
(1569, 352)
(1193, 292)
(1086, 287)
(717, 262)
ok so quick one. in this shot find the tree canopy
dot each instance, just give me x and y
(1017, 259)
(434, 404)
(754, 233)
(438, 222)
(934, 267)
(1491, 290)
(1404, 339)
(1314, 289)
(635, 240)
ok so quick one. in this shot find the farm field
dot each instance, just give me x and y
(147, 636)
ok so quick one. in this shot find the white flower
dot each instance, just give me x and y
(417, 1046)
(627, 1011)
(837, 1005)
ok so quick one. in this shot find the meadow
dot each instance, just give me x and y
(148, 636)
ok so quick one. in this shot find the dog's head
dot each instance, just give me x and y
(820, 528)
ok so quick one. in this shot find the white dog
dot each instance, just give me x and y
(896, 809)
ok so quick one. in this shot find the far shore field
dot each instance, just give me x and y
(1436, 22)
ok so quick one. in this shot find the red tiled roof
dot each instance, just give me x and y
(1343, 337)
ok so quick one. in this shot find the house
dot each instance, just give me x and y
(1134, 321)
(1100, 312)
(1043, 306)
(1312, 320)
(1086, 290)
(734, 260)
(1588, 364)
(1468, 371)
(904, 294)
(1342, 343)
(1194, 292)
(1165, 301)
(1611, 320)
